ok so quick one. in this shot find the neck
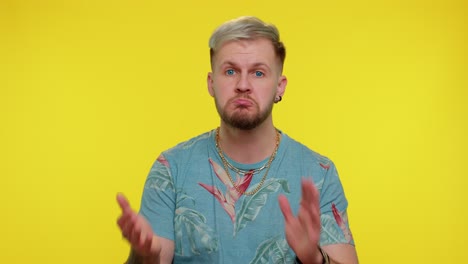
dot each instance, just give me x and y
(248, 146)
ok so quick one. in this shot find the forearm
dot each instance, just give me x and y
(330, 261)
(133, 258)
(321, 257)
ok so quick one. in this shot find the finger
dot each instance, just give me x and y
(123, 203)
(147, 243)
(309, 216)
(125, 219)
(138, 234)
(307, 221)
(135, 235)
(129, 227)
(122, 221)
(309, 192)
(142, 238)
(285, 208)
(296, 233)
(310, 197)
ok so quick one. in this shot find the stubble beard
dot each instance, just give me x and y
(242, 119)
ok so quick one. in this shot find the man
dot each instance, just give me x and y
(222, 197)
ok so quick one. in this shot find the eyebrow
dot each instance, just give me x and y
(255, 65)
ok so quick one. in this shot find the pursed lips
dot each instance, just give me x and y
(243, 102)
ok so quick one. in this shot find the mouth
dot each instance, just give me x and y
(243, 102)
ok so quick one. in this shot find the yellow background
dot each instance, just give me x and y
(92, 92)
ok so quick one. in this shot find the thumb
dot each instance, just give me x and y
(123, 203)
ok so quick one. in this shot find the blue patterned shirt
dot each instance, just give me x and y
(189, 198)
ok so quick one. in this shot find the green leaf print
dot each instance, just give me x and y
(199, 235)
(251, 205)
(330, 233)
(274, 250)
(182, 197)
(160, 177)
(319, 185)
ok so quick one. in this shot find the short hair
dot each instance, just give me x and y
(246, 28)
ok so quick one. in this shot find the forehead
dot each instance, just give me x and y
(254, 51)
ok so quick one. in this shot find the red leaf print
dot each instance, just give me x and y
(341, 221)
(163, 160)
(325, 166)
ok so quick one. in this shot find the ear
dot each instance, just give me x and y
(209, 82)
(282, 82)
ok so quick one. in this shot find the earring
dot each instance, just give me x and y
(278, 99)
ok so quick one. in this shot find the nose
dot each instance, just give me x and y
(243, 84)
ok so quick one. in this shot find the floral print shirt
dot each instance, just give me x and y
(188, 198)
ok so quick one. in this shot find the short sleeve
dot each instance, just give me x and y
(333, 206)
(158, 199)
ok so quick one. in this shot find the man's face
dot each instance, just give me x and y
(245, 80)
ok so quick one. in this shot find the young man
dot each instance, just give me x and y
(222, 197)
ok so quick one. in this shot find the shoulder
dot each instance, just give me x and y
(197, 141)
(192, 151)
(194, 146)
(306, 154)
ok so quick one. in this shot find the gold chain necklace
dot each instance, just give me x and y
(253, 171)
(267, 166)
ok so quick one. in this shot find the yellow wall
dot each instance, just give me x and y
(92, 91)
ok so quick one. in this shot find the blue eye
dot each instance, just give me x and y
(259, 73)
(230, 72)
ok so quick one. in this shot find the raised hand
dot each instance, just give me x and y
(137, 231)
(303, 231)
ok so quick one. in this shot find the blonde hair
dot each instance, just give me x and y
(246, 28)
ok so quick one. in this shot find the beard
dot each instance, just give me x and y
(241, 118)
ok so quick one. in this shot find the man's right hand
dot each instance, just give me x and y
(136, 229)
